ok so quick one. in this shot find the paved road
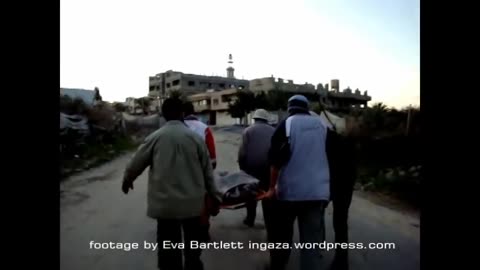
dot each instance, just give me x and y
(94, 209)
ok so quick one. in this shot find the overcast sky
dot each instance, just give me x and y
(116, 45)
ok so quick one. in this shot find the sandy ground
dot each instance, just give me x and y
(93, 208)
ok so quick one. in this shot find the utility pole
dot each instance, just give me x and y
(409, 117)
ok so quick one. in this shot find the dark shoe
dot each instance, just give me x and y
(249, 223)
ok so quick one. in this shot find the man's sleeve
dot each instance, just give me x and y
(242, 151)
(140, 161)
(207, 171)
(210, 141)
(279, 139)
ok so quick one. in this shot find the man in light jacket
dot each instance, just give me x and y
(180, 175)
(300, 183)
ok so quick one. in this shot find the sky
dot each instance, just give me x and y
(116, 45)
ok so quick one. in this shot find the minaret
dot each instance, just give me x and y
(230, 69)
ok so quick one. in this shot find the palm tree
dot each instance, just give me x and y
(374, 118)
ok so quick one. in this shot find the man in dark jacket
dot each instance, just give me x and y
(342, 161)
(253, 159)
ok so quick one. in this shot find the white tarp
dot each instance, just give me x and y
(75, 122)
(329, 118)
(150, 120)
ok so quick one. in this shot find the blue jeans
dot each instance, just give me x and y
(311, 227)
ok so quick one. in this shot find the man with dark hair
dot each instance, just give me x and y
(201, 129)
(180, 175)
(302, 190)
(253, 159)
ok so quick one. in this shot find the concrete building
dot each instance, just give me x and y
(134, 108)
(211, 107)
(271, 83)
(342, 101)
(162, 84)
(333, 99)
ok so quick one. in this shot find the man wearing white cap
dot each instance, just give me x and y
(253, 159)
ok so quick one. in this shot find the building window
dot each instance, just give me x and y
(168, 85)
(209, 85)
(215, 102)
(191, 83)
(222, 85)
(152, 88)
(176, 82)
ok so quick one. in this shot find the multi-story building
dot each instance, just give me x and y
(212, 106)
(210, 94)
(343, 101)
(162, 84)
(270, 83)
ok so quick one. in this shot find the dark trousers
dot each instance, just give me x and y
(171, 230)
(341, 205)
(268, 217)
(251, 211)
(311, 227)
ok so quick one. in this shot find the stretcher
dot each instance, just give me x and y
(228, 185)
(259, 197)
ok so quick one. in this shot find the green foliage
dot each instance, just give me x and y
(401, 182)
(144, 103)
(381, 121)
(318, 108)
(243, 104)
(278, 100)
(119, 107)
(261, 101)
(93, 154)
(72, 106)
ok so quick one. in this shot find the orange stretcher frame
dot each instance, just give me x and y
(259, 197)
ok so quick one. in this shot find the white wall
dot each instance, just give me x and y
(224, 119)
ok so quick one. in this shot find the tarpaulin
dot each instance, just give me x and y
(237, 188)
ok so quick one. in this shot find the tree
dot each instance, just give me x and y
(243, 104)
(119, 107)
(178, 94)
(144, 103)
(374, 118)
(72, 106)
(261, 101)
(278, 99)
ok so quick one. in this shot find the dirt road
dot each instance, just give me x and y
(94, 209)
